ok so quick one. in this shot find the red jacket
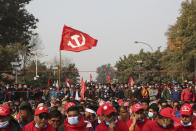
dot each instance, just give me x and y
(31, 127)
(153, 126)
(81, 126)
(139, 126)
(187, 95)
(120, 126)
(180, 127)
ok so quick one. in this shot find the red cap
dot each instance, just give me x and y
(4, 110)
(41, 109)
(167, 112)
(120, 101)
(99, 111)
(186, 109)
(126, 104)
(68, 105)
(107, 108)
(137, 107)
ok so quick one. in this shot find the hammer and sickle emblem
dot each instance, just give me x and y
(78, 44)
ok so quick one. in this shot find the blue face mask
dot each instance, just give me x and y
(108, 124)
(73, 120)
(186, 125)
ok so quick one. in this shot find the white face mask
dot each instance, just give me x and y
(130, 111)
(4, 124)
(73, 120)
(36, 125)
(194, 114)
(99, 121)
(185, 125)
(150, 114)
(108, 124)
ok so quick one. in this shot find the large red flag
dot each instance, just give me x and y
(76, 41)
(131, 81)
(108, 78)
(83, 89)
(91, 78)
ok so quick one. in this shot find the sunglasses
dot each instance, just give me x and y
(43, 115)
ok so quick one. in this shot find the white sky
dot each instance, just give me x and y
(116, 24)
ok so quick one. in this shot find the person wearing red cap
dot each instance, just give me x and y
(6, 122)
(111, 122)
(40, 122)
(138, 121)
(164, 121)
(75, 121)
(187, 121)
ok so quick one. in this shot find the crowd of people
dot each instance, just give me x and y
(105, 107)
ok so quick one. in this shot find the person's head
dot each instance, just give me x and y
(55, 119)
(165, 117)
(162, 103)
(73, 115)
(175, 104)
(109, 113)
(41, 117)
(138, 112)
(25, 110)
(153, 111)
(100, 116)
(68, 105)
(4, 116)
(145, 104)
(90, 112)
(186, 114)
(124, 113)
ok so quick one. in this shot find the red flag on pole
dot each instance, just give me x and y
(131, 81)
(91, 78)
(67, 82)
(83, 89)
(76, 41)
(195, 79)
(108, 78)
(48, 82)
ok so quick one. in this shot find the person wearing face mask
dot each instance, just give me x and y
(138, 120)
(90, 114)
(75, 121)
(187, 121)
(6, 122)
(40, 122)
(164, 121)
(153, 111)
(111, 121)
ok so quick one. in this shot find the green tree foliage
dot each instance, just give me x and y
(16, 23)
(102, 72)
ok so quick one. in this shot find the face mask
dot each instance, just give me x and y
(185, 125)
(36, 125)
(140, 121)
(82, 113)
(73, 120)
(130, 111)
(150, 114)
(164, 125)
(4, 124)
(99, 121)
(194, 114)
(108, 124)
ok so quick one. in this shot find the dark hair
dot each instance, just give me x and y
(155, 107)
(26, 106)
(74, 108)
(145, 101)
(55, 113)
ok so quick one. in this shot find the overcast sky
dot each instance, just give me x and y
(116, 24)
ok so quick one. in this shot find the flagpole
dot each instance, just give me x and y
(59, 69)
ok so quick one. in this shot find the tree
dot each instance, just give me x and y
(16, 23)
(103, 71)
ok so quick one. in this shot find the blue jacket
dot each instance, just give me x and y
(175, 95)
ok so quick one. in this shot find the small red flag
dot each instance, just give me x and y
(131, 81)
(48, 82)
(83, 89)
(91, 78)
(76, 41)
(68, 82)
(195, 79)
(108, 78)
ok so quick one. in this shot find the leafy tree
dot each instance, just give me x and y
(16, 23)
(103, 71)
